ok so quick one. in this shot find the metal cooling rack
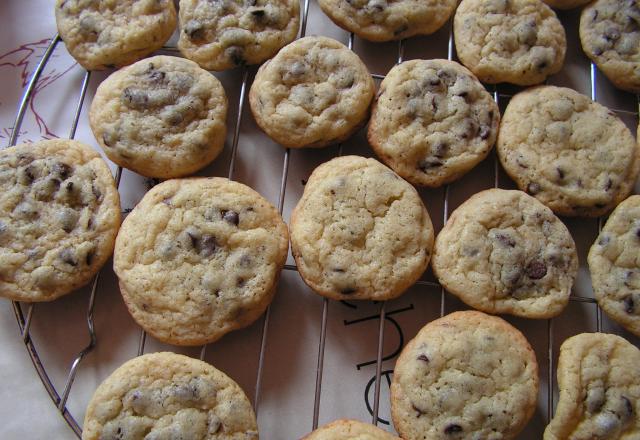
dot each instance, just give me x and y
(25, 320)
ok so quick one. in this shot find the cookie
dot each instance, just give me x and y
(222, 35)
(610, 36)
(313, 93)
(198, 258)
(107, 34)
(517, 41)
(599, 389)
(169, 396)
(566, 4)
(379, 20)
(573, 154)
(614, 263)
(345, 429)
(160, 117)
(467, 375)
(502, 251)
(59, 216)
(432, 121)
(360, 231)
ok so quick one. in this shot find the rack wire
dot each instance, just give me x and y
(25, 321)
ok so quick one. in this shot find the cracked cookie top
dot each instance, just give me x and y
(59, 216)
(466, 375)
(516, 41)
(313, 93)
(223, 34)
(199, 257)
(345, 429)
(502, 251)
(169, 396)
(360, 231)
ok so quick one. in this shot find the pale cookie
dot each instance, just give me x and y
(198, 258)
(566, 4)
(517, 41)
(360, 231)
(313, 93)
(502, 251)
(614, 263)
(223, 34)
(610, 36)
(467, 375)
(432, 121)
(573, 154)
(59, 216)
(599, 389)
(161, 117)
(345, 429)
(379, 20)
(113, 33)
(169, 396)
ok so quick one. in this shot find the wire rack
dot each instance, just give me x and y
(25, 320)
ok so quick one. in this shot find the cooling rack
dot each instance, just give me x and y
(24, 312)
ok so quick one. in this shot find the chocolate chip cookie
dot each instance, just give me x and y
(161, 117)
(360, 231)
(573, 154)
(517, 41)
(614, 263)
(502, 251)
(107, 34)
(169, 396)
(224, 34)
(345, 429)
(467, 375)
(313, 93)
(610, 36)
(432, 121)
(379, 20)
(59, 216)
(198, 258)
(599, 389)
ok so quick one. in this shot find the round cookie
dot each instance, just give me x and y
(432, 121)
(379, 20)
(313, 93)
(517, 41)
(223, 35)
(599, 389)
(573, 154)
(169, 396)
(59, 216)
(161, 117)
(198, 258)
(360, 231)
(466, 375)
(614, 263)
(114, 33)
(610, 36)
(345, 429)
(502, 251)
(566, 4)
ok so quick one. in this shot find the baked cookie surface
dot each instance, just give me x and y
(517, 41)
(614, 263)
(198, 258)
(466, 375)
(345, 429)
(114, 33)
(610, 36)
(432, 121)
(59, 216)
(379, 20)
(169, 396)
(599, 389)
(572, 154)
(502, 251)
(313, 93)
(161, 117)
(226, 34)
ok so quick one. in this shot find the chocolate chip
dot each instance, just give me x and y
(29, 174)
(89, 258)
(194, 30)
(629, 304)
(207, 245)
(235, 54)
(506, 240)
(61, 169)
(440, 149)
(426, 164)
(452, 429)
(339, 270)
(245, 260)
(96, 192)
(595, 15)
(240, 282)
(156, 75)
(485, 131)
(424, 358)
(231, 217)
(109, 138)
(167, 201)
(135, 98)
(533, 188)
(638, 233)
(560, 172)
(604, 240)
(195, 239)
(418, 410)
(608, 185)
(69, 256)
(24, 159)
(348, 291)
(536, 270)
(628, 407)
(611, 34)
(258, 13)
